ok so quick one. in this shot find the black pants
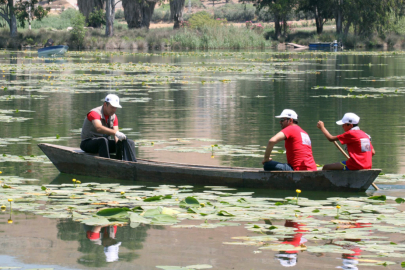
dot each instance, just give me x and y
(101, 145)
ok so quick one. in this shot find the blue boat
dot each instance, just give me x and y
(325, 45)
(53, 51)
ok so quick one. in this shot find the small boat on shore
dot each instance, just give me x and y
(53, 51)
(72, 160)
(325, 45)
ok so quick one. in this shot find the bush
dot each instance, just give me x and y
(217, 37)
(96, 18)
(160, 15)
(236, 12)
(202, 19)
(78, 32)
(264, 15)
(195, 4)
(59, 22)
(119, 14)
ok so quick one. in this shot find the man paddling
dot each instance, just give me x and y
(358, 144)
(297, 143)
(100, 123)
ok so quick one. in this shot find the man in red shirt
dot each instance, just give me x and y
(100, 123)
(297, 143)
(358, 144)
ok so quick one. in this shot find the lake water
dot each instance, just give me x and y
(211, 108)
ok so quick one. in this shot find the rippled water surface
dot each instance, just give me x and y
(211, 108)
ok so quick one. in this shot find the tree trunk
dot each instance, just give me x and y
(338, 17)
(318, 22)
(138, 13)
(13, 20)
(347, 27)
(285, 26)
(109, 18)
(176, 12)
(277, 26)
(88, 6)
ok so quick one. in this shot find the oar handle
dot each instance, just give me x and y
(341, 150)
(347, 156)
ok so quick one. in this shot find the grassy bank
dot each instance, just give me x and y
(219, 37)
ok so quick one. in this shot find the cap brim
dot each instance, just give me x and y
(116, 105)
(339, 122)
(279, 116)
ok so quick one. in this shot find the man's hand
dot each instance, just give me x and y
(320, 125)
(266, 160)
(121, 136)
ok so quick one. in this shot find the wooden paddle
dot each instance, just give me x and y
(347, 156)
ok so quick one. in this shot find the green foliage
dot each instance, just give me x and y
(202, 19)
(119, 15)
(195, 4)
(30, 8)
(78, 32)
(218, 37)
(58, 22)
(160, 15)
(236, 12)
(96, 18)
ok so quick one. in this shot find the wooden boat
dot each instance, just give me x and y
(74, 161)
(53, 51)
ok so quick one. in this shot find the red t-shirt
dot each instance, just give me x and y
(359, 148)
(96, 235)
(297, 239)
(93, 115)
(299, 150)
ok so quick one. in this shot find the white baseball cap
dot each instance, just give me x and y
(287, 260)
(111, 252)
(349, 118)
(114, 100)
(287, 113)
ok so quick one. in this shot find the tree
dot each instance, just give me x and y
(8, 13)
(368, 16)
(88, 6)
(138, 13)
(9, 10)
(176, 12)
(30, 10)
(109, 17)
(280, 9)
(322, 9)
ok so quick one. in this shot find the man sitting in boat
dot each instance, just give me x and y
(358, 144)
(49, 43)
(297, 143)
(100, 123)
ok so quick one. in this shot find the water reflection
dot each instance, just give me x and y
(101, 245)
(351, 260)
(289, 258)
(105, 236)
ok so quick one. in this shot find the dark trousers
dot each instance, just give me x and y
(101, 145)
(276, 166)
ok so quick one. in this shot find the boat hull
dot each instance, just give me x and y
(74, 161)
(53, 50)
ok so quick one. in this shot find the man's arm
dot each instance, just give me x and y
(275, 139)
(116, 130)
(328, 136)
(102, 129)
